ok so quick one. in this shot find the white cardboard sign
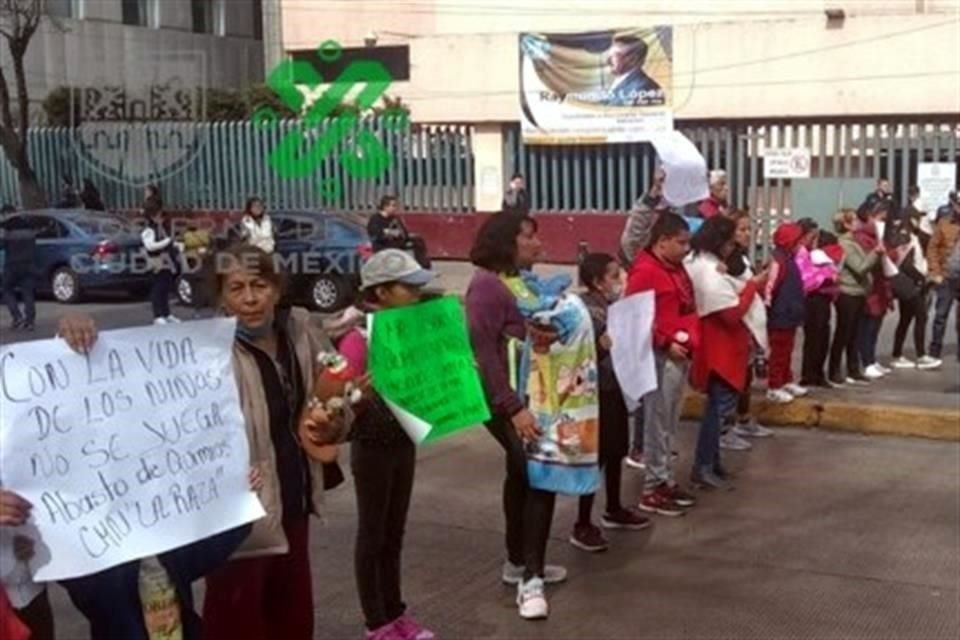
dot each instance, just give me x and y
(786, 163)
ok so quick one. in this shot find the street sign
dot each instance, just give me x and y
(786, 163)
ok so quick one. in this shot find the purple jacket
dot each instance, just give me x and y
(494, 318)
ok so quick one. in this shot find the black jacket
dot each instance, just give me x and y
(387, 233)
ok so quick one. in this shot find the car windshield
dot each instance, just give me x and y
(103, 224)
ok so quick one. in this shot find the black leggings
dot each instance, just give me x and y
(383, 481)
(816, 339)
(528, 511)
(850, 313)
(914, 311)
(160, 293)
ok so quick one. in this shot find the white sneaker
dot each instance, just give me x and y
(730, 440)
(903, 363)
(872, 372)
(796, 390)
(752, 429)
(160, 321)
(513, 573)
(531, 601)
(173, 319)
(928, 362)
(856, 383)
(779, 396)
(884, 370)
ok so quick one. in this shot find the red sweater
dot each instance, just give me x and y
(711, 207)
(726, 344)
(675, 309)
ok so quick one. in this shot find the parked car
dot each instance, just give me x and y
(80, 251)
(320, 252)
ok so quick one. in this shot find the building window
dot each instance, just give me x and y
(209, 16)
(135, 13)
(258, 19)
(65, 8)
(396, 59)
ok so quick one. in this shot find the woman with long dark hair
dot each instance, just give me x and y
(162, 259)
(257, 226)
(731, 318)
(506, 244)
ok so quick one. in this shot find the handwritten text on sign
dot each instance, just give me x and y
(136, 449)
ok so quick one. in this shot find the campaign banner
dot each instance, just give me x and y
(134, 449)
(597, 87)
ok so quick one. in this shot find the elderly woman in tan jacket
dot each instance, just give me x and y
(265, 590)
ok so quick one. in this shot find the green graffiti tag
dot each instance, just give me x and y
(301, 150)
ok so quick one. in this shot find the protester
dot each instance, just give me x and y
(19, 274)
(642, 217)
(266, 591)
(385, 228)
(856, 278)
(151, 193)
(504, 245)
(744, 425)
(786, 312)
(946, 236)
(917, 218)
(162, 259)
(731, 318)
(516, 200)
(870, 235)
(717, 203)
(90, 197)
(68, 195)
(383, 460)
(153, 597)
(676, 336)
(602, 277)
(912, 298)
(820, 272)
(34, 612)
(257, 226)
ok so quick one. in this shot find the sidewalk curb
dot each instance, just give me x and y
(893, 420)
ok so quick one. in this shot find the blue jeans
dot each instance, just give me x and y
(868, 338)
(721, 402)
(946, 293)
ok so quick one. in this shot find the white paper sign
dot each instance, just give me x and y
(936, 180)
(131, 451)
(685, 168)
(786, 163)
(630, 325)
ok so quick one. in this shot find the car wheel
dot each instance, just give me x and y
(329, 293)
(65, 285)
(184, 291)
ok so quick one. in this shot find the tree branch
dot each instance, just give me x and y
(6, 115)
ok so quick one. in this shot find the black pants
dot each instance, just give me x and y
(816, 340)
(383, 481)
(24, 281)
(160, 293)
(850, 313)
(528, 511)
(913, 311)
(614, 443)
(38, 616)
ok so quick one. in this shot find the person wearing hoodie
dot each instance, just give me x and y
(732, 317)
(856, 278)
(819, 268)
(676, 338)
(786, 311)
(870, 235)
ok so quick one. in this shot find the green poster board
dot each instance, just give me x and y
(423, 366)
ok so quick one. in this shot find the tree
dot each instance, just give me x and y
(19, 20)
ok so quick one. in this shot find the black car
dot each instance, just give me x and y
(321, 253)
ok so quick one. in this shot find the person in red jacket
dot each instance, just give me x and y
(731, 314)
(676, 336)
(787, 309)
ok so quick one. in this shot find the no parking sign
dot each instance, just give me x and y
(781, 164)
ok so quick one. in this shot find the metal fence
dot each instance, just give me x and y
(431, 169)
(586, 178)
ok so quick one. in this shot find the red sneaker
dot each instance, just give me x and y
(660, 502)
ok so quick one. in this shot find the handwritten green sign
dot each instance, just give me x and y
(423, 365)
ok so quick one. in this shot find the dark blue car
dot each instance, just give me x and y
(78, 251)
(320, 252)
